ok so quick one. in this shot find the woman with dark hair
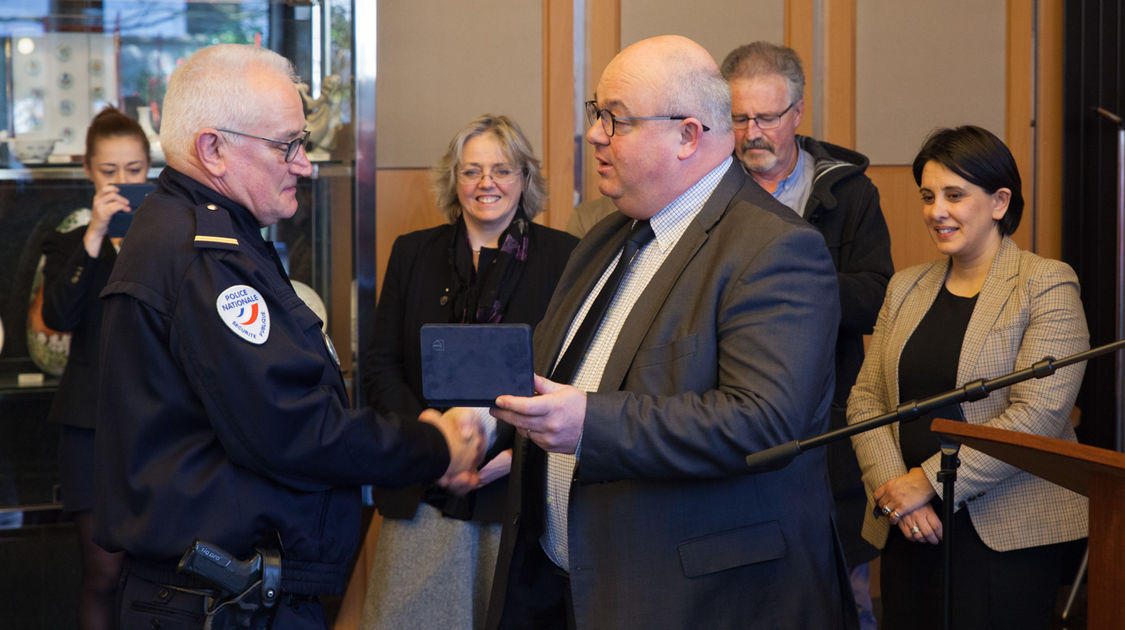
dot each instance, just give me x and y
(986, 308)
(436, 553)
(78, 258)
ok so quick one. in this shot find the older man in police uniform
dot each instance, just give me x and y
(222, 414)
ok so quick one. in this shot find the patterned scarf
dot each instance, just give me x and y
(481, 295)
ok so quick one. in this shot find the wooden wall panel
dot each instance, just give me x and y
(1018, 132)
(405, 203)
(558, 111)
(922, 64)
(442, 63)
(902, 208)
(603, 32)
(718, 25)
(839, 73)
(410, 201)
(800, 35)
(1049, 131)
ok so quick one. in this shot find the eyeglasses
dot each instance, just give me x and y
(764, 121)
(609, 121)
(499, 174)
(291, 146)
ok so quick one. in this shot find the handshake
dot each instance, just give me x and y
(464, 436)
(553, 419)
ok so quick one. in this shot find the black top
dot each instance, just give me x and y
(928, 366)
(72, 280)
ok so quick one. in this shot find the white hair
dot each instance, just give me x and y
(211, 89)
(699, 91)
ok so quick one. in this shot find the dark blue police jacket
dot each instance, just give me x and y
(222, 414)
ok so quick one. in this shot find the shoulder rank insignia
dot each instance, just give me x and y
(213, 228)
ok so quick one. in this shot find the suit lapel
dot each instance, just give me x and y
(652, 299)
(994, 294)
(587, 263)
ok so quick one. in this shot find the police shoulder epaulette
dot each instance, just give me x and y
(213, 229)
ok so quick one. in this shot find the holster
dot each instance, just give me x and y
(254, 607)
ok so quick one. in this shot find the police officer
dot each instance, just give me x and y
(221, 412)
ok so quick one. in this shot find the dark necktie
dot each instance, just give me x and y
(567, 366)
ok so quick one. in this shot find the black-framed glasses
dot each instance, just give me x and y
(764, 121)
(609, 121)
(291, 146)
(502, 174)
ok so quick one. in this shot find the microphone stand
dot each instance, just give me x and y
(777, 457)
(947, 475)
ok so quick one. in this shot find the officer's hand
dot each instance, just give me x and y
(465, 439)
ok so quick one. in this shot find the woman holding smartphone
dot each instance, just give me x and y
(78, 261)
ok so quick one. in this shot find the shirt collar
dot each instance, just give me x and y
(669, 224)
(794, 176)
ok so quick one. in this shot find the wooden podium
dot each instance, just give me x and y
(1095, 472)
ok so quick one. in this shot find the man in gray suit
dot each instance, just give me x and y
(630, 505)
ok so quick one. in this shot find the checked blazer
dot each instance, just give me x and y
(1027, 309)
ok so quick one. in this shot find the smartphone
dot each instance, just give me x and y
(135, 194)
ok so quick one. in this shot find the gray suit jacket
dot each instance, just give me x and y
(1028, 308)
(728, 351)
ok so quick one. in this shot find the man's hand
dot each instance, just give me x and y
(553, 419)
(465, 440)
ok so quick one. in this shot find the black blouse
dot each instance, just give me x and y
(928, 366)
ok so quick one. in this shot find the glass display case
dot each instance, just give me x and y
(63, 61)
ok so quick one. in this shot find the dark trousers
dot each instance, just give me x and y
(144, 604)
(167, 600)
(545, 601)
(992, 590)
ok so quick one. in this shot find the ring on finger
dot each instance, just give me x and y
(896, 514)
(914, 529)
(886, 509)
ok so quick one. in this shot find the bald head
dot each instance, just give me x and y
(681, 76)
(662, 93)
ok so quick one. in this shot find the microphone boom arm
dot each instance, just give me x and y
(779, 456)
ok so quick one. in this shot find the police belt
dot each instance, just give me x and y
(300, 580)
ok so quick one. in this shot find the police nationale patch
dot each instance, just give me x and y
(244, 311)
